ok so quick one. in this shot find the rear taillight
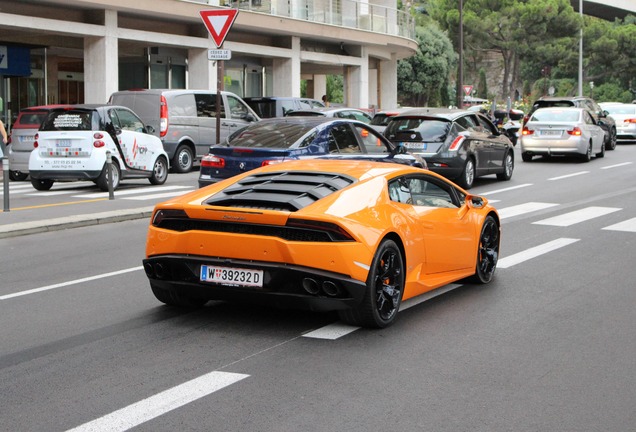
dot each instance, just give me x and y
(97, 136)
(576, 131)
(35, 140)
(163, 117)
(457, 142)
(271, 162)
(526, 131)
(212, 161)
(630, 120)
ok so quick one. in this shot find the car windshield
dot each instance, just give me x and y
(430, 129)
(556, 116)
(269, 135)
(71, 120)
(381, 120)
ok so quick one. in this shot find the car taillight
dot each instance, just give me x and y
(271, 162)
(35, 140)
(163, 117)
(526, 131)
(212, 161)
(630, 120)
(576, 132)
(98, 143)
(457, 143)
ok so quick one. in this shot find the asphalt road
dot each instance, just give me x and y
(549, 345)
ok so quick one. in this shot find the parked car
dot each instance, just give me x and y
(73, 142)
(338, 112)
(601, 117)
(276, 140)
(562, 131)
(353, 236)
(267, 107)
(625, 117)
(459, 144)
(381, 119)
(185, 120)
(21, 139)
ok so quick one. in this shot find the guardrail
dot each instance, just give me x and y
(358, 14)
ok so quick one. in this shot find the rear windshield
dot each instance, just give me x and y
(81, 120)
(30, 119)
(305, 114)
(555, 116)
(380, 120)
(429, 129)
(269, 135)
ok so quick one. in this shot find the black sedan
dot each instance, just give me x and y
(276, 140)
(461, 145)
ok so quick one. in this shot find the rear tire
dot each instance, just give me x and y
(588, 154)
(467, 178)
(183, 159)
(18, 175)
(102, 180)
(508, 166)
(602, 152)
(385, 287)
(42, 185)
(526, 157)
(611, 142)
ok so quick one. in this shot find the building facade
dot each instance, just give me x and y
(81, 51)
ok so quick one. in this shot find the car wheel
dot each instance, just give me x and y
(102, 180)
(42, 185)
(468, 174)
(18, 175)
(487, 251)
(159, 172)
(508, 167)
(588, 154)
(526, 157)
(602, 152)
(611, 142)
(172, 298)
(385, 286)
(183, 160)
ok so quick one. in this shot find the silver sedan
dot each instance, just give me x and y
(562, 132)
(625, 116)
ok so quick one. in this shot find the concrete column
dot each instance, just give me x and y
(101, 54)
(356, 83)
(320, 86)
(286, 72)
(387, 79)
(201, 71)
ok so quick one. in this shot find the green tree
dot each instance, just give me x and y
(482, 85)
(423, 78)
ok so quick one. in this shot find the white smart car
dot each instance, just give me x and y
(73, 142)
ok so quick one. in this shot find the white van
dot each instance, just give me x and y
(185, 120)
(72, 144)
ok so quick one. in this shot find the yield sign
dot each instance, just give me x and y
(218, 23)
(468, 89)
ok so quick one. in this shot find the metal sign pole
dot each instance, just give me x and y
(5, 181)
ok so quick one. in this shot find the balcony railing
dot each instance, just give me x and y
(357, 14)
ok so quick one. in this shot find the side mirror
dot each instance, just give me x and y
(150, 129)
(474, 201)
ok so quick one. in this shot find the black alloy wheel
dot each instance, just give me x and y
(385, 287)
(487, 251)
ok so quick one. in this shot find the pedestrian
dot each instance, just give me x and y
(5, 139)
(325, 101)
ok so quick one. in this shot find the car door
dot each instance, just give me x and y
(596, 132)
(495, 145)
(478, 145)
(441, 226)
(134, 142)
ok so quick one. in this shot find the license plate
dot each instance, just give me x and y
(232, 276)
(63, 143)
(414, 145)
(27, 138)
(550, 133)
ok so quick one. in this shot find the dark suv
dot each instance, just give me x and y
(601, 117)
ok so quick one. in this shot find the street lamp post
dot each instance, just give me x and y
(460, 69)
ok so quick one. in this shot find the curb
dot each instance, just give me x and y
(26, 228)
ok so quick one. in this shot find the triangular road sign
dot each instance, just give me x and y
(218, 23)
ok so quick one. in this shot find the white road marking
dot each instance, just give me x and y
(617, 165)
(331, 331)
(505, 190)
(73, 282)
(534, 252)
(577, 216)
(523, 209)
(132, 191)
(161, 403)
(162, 195)
(627, 226)
(569, 175)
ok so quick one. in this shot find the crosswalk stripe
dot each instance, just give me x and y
(577, 216)
(534, 252)
(627, 226)
(162, 195)
(516, 210)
